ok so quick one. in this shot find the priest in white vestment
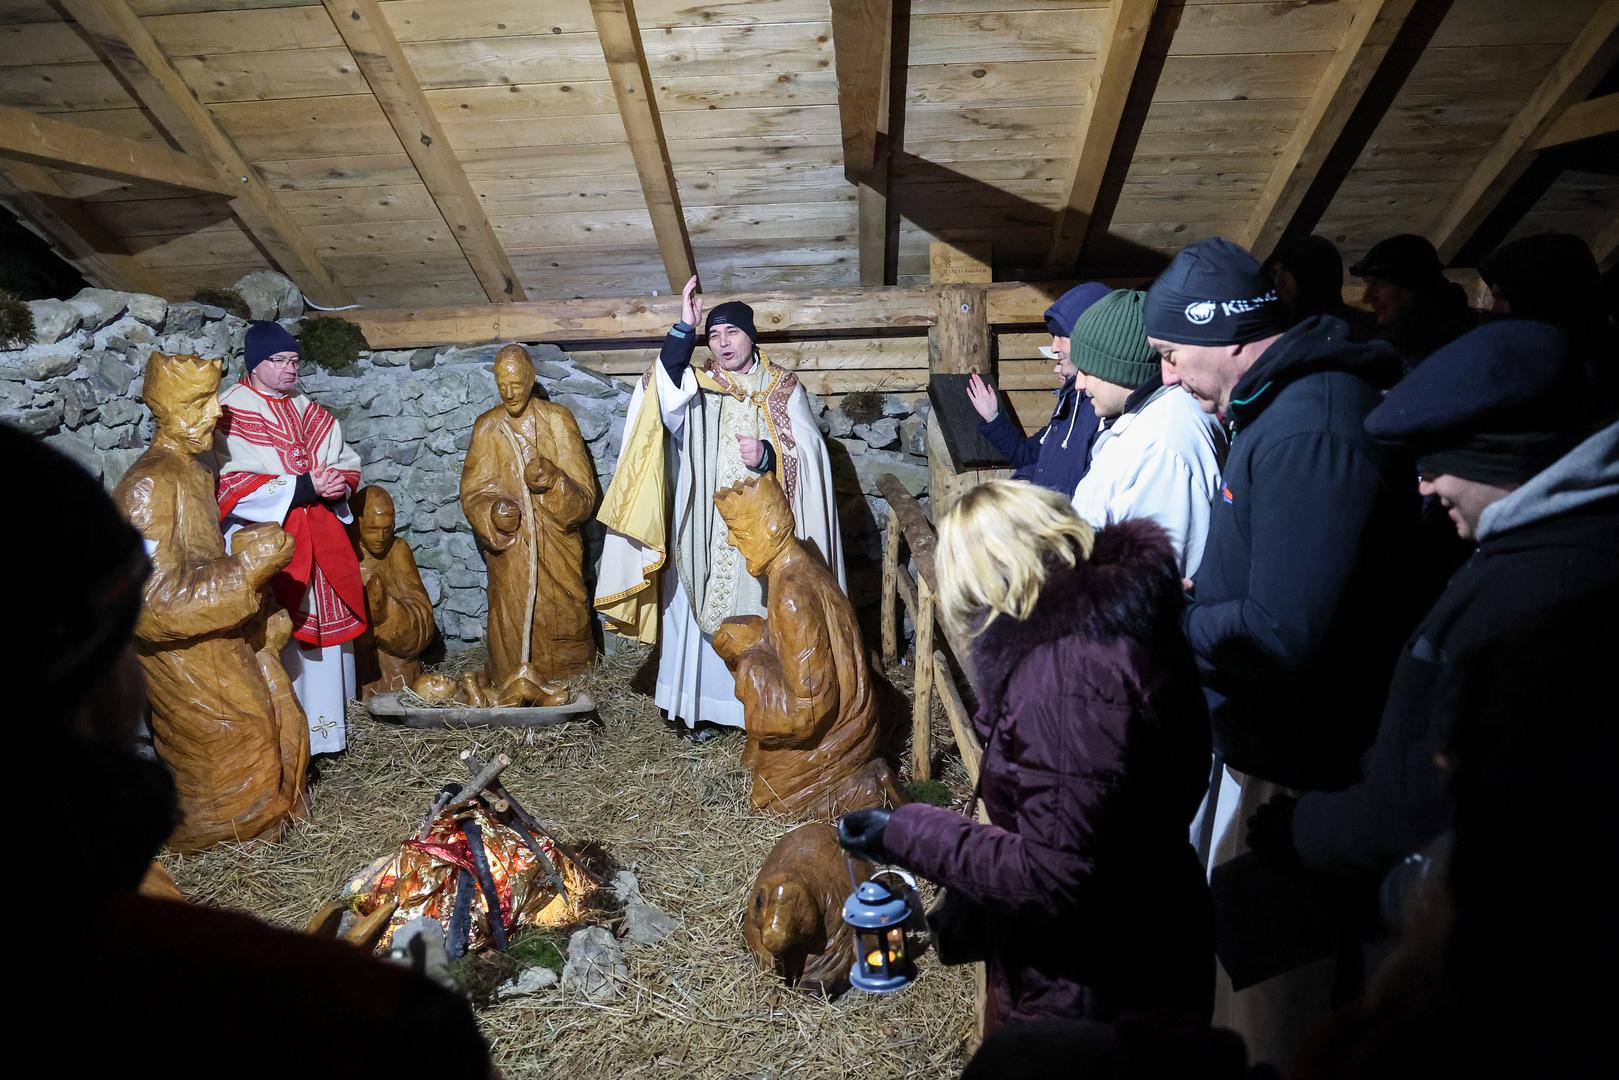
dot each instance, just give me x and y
(689, 433)
(280, 457)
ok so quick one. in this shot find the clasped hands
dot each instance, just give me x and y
(329, 483)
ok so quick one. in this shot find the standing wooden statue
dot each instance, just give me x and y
(398, 612)
(801, 671)
(224, 718)
(527, 486)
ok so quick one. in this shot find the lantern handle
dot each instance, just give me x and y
(903, 875)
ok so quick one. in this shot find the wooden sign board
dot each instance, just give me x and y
(958, 422)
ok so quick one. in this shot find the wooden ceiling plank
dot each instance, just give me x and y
(1128, 22)
(37, 199)
(124, 42)
(1574, 76)
(45, 140)
(376, 50)
(638, 108)
(1582, 120)
(1365, 43)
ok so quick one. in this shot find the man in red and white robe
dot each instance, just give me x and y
(282, 458)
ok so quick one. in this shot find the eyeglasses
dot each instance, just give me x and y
(292, 361)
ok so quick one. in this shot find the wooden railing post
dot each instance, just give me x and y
(891, 587)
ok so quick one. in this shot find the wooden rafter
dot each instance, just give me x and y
(632, 84)
(1575, 74)
(875, 149)
(36, 198)
(1583, 120)
(860, 30)
(45, 140)
(621, 320)
(376, 50)
(125, 44)
(1115, 70)
(1365, 43)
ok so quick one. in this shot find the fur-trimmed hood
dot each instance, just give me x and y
(1128, 587)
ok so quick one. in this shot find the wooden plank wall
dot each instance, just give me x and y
(747, 92)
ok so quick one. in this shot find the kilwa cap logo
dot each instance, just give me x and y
(1200, 312)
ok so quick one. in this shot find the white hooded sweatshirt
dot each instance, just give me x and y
(1160, 459)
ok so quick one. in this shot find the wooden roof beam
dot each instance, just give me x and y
(1115, 70)
(376, 50)
(620, 35)
(45, 140)
(128, 47)
(871, 101)
(622, 320)
(1574, 76)
(1583, 120)
(38, 200)
(1372, 29)
(860, 39)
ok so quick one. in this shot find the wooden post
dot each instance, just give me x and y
(958, 343)
(891, 587)
(960, 723)
(922, 710)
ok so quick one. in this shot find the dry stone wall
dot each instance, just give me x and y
(408, 413)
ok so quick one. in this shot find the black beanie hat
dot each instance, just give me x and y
(1496, 405)
(1406, 260)
(732, 313)
(1213, 293)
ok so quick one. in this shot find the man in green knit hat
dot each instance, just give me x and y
(1158, 454)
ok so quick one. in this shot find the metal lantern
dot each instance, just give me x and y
(878, 914)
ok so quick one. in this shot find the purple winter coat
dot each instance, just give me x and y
(1089, 897)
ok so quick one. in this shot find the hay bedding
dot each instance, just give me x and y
(673, 812)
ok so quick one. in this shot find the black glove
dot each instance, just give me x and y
(1270, 831)
(303, 492)
(861, 834)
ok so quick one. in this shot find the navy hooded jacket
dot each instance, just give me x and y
(1302, 599)
(1059, 454)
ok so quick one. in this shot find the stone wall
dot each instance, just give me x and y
(408, 413)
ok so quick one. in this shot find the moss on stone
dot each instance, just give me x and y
(16, 322)
(330, 342)
(229, 299)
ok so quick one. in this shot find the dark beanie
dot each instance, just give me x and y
(264, 340)
(1496, 405)
(1065, 311)
(1406, 260)
(1109, 342)
(732, 313)
(1549, 276)
(1214, 293)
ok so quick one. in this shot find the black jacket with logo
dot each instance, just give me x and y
(1301, 601)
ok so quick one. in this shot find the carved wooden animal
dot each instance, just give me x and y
(794, 919)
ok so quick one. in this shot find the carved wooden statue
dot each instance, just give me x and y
(801, 671)
(224, 719)
(527, 486)
(398, 611)
(794, 919)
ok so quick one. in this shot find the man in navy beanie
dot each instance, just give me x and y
(1296, 612)
(1059, 454)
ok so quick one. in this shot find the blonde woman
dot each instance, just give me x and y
(1082, 894)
